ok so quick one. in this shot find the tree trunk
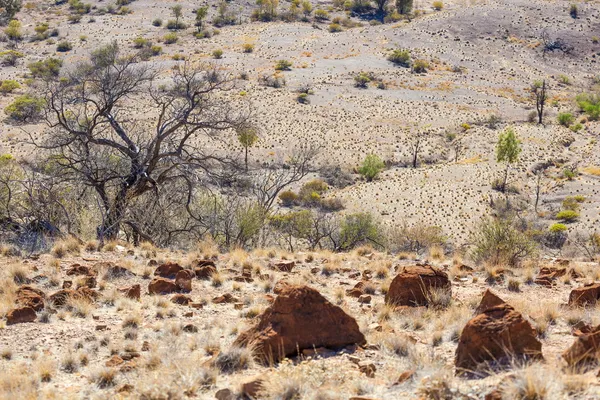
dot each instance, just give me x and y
(505, 178)
(246, 158)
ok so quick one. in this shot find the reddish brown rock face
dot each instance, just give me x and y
(162, 286)
(204, 272)
(585, 295)
(132, 292)
(183, 280)
(497, 334)
(300, 318)
(585, 349)
(548, 275)
(20, 315)
(28, 296)
(413, 286)
(168, 270)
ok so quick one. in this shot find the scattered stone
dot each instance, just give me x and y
(405, 376)
(494, 336)
(168, 270)
(300, 318)
(284, 266)
(78, 269)
(181, 299)
(587, 295)
(585, 350)
(367, 368)
(183, 280)
(191, 328)
(414, 284)
(132, 292)
(162, 286)
(113, 271)
(364, 299)
(205, 272)
(253, 387)
(20, 315)
(226, 298)
(28, 296)
(114, 361)
(101, 327)
(225, 394)
(196, 306)
(548, 275)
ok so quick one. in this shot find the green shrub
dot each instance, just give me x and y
(420, 66)
(565, 119)
(321, 15)
(9, 85)
(333, 28)
(558, 227)
(567, 215)
(10, 57)
(576, 127)
(64, 46)
(218, 54)
(170, 38)
(174, 25)
(579, 198)
(310, 189)
(570, 203)
(157, 22)
(498, 242)
(570, 174)
(50, 67)
(590, 104)
(303, 98)
(288, 198)
(573, 11)
(140, 42)
(248, 47)
(400, 57)
(371, 167)
(359, 229)
(283, 65)
(156, 50)
(13, 31)
(24, 108)
(438, 5)
(362, 80)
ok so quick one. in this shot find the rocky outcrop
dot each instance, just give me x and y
(414, 285)
(162, 286)
(20, 315)
(587, 295)
(585, 350)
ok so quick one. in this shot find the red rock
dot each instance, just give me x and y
(498, 334)
(20, 315)
(205, 272)
(78, 269)
(585, 350)
(354, 292)
(405, 376)
(28, 296)
(488, 301)
(114, 361)
(367, 368)
(284, 266)
(548, 275)
(132, 292)
(183, 280)
(61, 297)
(495, 394)
(300, 318)
(181, 299)
(414, 284)
(585, 295)
(226, 298)
(162, 286)
(203, 263)
(168, 270)
(113, 271)
(253, 387)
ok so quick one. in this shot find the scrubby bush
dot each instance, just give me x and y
(275, 81)
(170, 38)
(359, 229)
(13, 31)
(157, 22)
(217, 54)
(248, 47)
(283, 65)
(570, 203)
(498, 242)
(302, 98)
(400, 57)
(371, 167)
(24, 108)
(438, 5)
(9, 85)
(362, 80)
(590, 104)
(573, 11)
(64, 46)
(48, 68)
(420, 66)
(558, 227)
(10, 57)
(333, 28)
(140, 42)
(321, 15)
(567, 215)
(565, 119)
(288, 198)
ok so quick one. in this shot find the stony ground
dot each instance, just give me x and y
(483, 55)
(152, 348)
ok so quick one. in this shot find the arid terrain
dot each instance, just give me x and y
(79, 320)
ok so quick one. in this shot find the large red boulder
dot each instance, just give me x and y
(61, 297)
(28, 296)
(497, 334)
(414, 285)
(585, 295)
(585, 349)
(162, 286)
(183, 280)
(168, 270)
(132, 292)
(20, 315)
(300, 318)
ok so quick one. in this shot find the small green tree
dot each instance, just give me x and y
(507, 151)
(13, 31)
(201, 14)
(24, 108)
(177, 13)
(8, 9)
(371, 167)
(404, 6)
(307, 8)
(247, 136)
(498, 241)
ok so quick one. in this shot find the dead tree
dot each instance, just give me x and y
(112, 127)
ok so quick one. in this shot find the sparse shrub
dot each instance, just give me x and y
(590, 104)
(248, 47)
(140, 42)
(514, 285)
(371, 167)
(420, 66)
(64, 46)
(234, 359)
(156, 50)
(157, 22)
(400, 57)
(275, 81)
(333, 28)
(438, 5)
(567, 215)
(283, 65)
(170, 38)
(50, 67)
(574, 11)
(321, 15)
(362, 80)
(302, 98)
(565, 119)
(217, 54)
(8, 86)
(498, 241)
(555, 228)
(24, 108)
(13, 31)
(569, 173)
(11, 57)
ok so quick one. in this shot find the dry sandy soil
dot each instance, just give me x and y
(496, 46)
(66, 353)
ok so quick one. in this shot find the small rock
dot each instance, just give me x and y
(114, 361)
(364, 299)
(367, 368)
(20, 315)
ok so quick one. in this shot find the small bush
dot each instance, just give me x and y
(157, 22)
(156, 50)
(556, 228)
(573, 11)
(333, 28)
(283, 65)
(569, 173)
(438, 5)
(567, 215)
(25, 108)
(140, 42)
(303, 98)
(248, 47)
(64, 46)
(498, 241)
(233, 360)
(371, 167)
(50, 67)
(170, 38)
(362, 80)
(420, 66)
(565, 119)
(590, 104)
(288, 198)
(174, 25)
(400, 57)
(321, 15)
(9, 86)
(217, 54)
